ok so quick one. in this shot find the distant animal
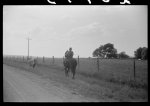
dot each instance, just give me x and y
(32, 62)
(70, 64)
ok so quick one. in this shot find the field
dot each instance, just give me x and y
(115, 78)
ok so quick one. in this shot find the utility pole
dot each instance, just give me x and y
(28, 47)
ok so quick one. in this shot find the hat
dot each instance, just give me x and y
(70, 48)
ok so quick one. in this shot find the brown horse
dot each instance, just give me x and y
(70, 64)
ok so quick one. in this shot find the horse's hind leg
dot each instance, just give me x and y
(73, 74)
(66, 72)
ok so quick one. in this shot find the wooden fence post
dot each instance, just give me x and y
(43, 59)
(78, 60)
(134, 69)
(9, 59)
(98, 63)
(53, 60)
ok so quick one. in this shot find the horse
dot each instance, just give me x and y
(32, 62)
(70, 64)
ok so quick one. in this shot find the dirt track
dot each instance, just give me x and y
(26, 86)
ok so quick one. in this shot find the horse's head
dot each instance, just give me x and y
(66, 63)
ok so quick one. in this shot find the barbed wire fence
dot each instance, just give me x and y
(52, 61)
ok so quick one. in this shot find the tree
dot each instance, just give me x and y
(123, 55)
(141, 53)
(98, 52)
(110, 51)
(137, 53)
(107, 51)
(144, 53)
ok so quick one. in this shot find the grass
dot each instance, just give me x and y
(114, 70)
(111, 70)
(115, 76)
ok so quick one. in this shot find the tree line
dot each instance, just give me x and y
(109, 51)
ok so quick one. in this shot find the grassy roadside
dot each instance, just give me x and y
(87, 85)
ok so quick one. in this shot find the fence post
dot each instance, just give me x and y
(43, 58)
(9, 60)
(78, 60)
(98, 63)
(134, 69)
(53, 60)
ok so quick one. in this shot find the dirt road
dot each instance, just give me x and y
(25, 86)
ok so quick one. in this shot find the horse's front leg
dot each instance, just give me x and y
(73, 73)
(68, 69)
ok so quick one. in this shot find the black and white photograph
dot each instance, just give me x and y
(75, 53)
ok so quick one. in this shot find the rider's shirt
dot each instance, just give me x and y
(70, 54)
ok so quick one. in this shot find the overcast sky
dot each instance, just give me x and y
(53, 29)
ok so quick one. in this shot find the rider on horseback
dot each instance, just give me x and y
(69, 54)
(69, 62)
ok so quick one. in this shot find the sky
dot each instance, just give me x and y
(53, 29)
